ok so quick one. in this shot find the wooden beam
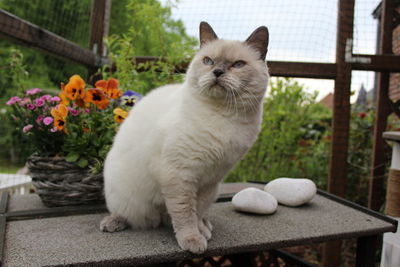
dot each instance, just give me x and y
(302, 69)
(276, 68)
(379, 146)
(99, 25)
(385, 62)
(29, 34)
(341, 119)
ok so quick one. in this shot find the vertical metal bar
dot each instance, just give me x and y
(341, 119)
(366, 248)
(3, 202)
(99, 25)
(3, 223)
(379, 148)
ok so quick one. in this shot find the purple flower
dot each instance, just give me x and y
(33, 91)
(47, 120)
(39, 102)
(27, 128)
(30, 106)
(39, 119)
(46, 97)
(73, 111)
(13, 100)
(55, 99)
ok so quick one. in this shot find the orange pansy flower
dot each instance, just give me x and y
(60, 110)
(59, 113)
(81, 103)
(59, 123)
(110, 87)
(74, 88)
(97, 97)
(64, 99)
(120, 115)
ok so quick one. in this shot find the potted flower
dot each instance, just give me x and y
(72, 133)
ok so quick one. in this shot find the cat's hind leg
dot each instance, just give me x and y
(113, 223)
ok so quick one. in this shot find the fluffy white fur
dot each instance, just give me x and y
(180, 141)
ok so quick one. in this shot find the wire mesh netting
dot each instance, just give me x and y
(68, 19)
(301, 31)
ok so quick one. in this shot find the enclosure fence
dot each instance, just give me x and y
(337, 32)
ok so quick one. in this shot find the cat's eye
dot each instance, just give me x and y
(208, 61)
(238, 64)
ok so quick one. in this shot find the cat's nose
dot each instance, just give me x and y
(218, 72)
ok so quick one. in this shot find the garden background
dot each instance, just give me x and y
(296, 134)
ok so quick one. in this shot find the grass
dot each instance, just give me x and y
(8, 167)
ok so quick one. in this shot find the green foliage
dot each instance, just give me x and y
(69, 19)
(292, 124)
(14, 146)
(89, 137)
(151, 32)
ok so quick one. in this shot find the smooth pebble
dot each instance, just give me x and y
(254, 200)
(292, 191)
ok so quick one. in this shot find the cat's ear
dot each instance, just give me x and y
(207, 34)
(259, 41)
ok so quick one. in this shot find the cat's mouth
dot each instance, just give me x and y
(218, 84)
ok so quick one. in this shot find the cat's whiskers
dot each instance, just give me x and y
(253, 100)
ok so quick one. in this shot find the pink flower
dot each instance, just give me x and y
(30, 106)
(46, 97)
(24, 101)
(13, 100)
(33, 91)
(39, 102)
(27, 128)
(47, 120)
(39, 119)
(73, 111)
(55, 99)
(53, 130)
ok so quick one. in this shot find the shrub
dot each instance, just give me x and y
(293, 130)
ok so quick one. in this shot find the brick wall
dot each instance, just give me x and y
(394, 86)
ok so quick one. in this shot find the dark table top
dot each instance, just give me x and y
(77, 239)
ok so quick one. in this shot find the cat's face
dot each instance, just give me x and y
(232, 71)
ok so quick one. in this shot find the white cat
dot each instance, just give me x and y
(180, 141)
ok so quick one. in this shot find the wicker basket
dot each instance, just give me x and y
(60, 183)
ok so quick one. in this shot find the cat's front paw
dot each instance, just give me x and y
(113, 223)
(205, 228)
(195, 243)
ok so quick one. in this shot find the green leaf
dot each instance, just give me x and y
(72, 157)
(82, 162)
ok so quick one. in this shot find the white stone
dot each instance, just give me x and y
(254, 200)
(292, 191)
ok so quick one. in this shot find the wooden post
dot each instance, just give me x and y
(379, 148)
(341, 119)
(99, 25)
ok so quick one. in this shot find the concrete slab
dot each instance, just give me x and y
(25, 202)
(77, 240)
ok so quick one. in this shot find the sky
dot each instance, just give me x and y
(299, 30)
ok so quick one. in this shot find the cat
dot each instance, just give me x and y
(180, 141)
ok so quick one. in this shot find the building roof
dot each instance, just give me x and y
(327, 101)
